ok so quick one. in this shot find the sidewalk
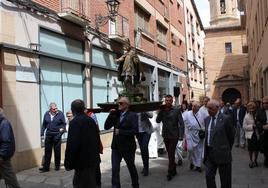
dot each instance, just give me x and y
(243, 176)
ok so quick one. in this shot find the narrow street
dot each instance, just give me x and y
(243, 176)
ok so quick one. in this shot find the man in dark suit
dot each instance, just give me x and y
(262, 125)
(218, 145)
(125, 125)
(239, 114)
(82, 149)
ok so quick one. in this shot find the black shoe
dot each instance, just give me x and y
(179, 162)
(251, 165)
(57, 168)
(191, 166)
(146, 173)
(43, 170)
(198, 169)
(161, 151)
(169, 177)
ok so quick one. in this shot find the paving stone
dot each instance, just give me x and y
(53, 181)
(36, 179)
(243, 176)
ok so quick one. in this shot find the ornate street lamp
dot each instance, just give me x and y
(112, 6)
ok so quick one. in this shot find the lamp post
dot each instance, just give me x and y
(112, 6)
(107, 86)
(153, 86)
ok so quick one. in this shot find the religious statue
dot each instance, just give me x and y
(130, 70)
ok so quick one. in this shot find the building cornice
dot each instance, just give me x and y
(223, 28)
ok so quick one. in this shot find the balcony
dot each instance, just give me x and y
(74, 11)
(166, 13)
(119, 29)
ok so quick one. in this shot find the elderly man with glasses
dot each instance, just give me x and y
(55, 125)
(125, 125)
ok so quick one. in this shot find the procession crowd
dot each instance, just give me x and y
(205, 131)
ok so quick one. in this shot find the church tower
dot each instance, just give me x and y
(223, 13)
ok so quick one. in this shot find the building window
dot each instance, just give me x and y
(100, 90)
(60, 82)
(198, 49)
(142, 20)
(189, 39)
(228, 47)
(188, 20)
(222, 6)
(197, 28)
(161, 34)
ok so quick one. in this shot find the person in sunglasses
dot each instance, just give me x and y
(125, 124)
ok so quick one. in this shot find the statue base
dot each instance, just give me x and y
(134, 106)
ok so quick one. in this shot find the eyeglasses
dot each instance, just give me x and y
(120, 103)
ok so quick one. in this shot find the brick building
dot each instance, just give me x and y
(255, 14)
(57, 51)
(225, 62)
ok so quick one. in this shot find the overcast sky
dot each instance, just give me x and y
(203, 10)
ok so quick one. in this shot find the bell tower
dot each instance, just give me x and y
(223, 12)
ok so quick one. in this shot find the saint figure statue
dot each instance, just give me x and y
(130, 70)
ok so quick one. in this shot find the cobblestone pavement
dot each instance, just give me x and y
(243, 176)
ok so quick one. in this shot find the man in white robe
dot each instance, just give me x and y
(194, 121)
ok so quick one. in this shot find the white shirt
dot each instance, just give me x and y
(52, 116)
(237, 114)
(209, 126)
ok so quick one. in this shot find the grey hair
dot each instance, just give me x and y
(214, 102)
(52, 104)
(126, 99)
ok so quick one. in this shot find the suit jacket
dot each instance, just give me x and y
(223, 133)
(242, 113)
(128, 127)
(82, 149)
(261, 120)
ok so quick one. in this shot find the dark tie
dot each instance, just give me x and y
(212, 126)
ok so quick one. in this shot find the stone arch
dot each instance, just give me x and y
(230, 95)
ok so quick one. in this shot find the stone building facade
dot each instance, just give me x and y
(255, 15)
(53, 51)
(225, 63)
